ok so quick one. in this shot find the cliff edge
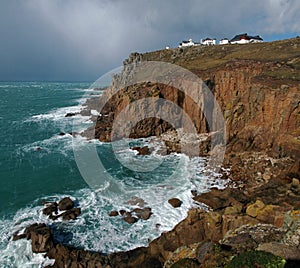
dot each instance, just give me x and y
(256, 86)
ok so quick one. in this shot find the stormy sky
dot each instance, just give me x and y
(76, 40)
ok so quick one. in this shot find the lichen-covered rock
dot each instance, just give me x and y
(252, 209)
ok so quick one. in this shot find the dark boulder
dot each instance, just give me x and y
(70, 114)
(17, 236)
(143, 213)
(50, 208)
(122, 212)
(146, 214)
(71, 214)
(41, 237)
(142, 150)
(113, 213)
(130, 219)
(66, 204)
(175, 202)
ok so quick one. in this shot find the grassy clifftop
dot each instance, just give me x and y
(285, 53)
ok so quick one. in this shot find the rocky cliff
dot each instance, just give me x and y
(256, 87)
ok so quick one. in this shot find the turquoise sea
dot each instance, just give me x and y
(36, 163)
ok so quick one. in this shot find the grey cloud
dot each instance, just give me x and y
(78, 40)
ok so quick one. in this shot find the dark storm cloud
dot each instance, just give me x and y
(77, 40)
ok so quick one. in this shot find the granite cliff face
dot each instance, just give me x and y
(256, 86)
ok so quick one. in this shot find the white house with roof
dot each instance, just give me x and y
(189, 43)
(208, 41)
(224, 41)
(245, 39)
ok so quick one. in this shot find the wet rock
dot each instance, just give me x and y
(62, 134)
(175, 202)
(142, 150)
(113, 213)
(50, 208)
(127, 214)
(138, 211)
(66, 203)
(130, 219)
(71, 214)
(194, 192)
(122, 212)
(70, 114)
(143, 213)
(41, 237)
(17, 236)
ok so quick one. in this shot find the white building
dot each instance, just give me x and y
(187, 43)
(208, 41)
(245, 39)
(224, 41)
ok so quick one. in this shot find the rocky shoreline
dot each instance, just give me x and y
(248, 216)
(255, 221)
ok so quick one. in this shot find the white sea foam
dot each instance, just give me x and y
(57, 114)
(95, 230)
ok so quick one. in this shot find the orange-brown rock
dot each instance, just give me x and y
(259, 98)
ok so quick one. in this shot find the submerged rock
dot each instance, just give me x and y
(70, 114)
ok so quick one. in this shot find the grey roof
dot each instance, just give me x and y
(245, 36)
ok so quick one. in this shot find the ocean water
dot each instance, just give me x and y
(36, 163)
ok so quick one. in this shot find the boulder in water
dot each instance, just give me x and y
(70, 114)
(71, 214)
(175, 202)
(66, 203)
(50, 208)
(130, 219)
(113, 213)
